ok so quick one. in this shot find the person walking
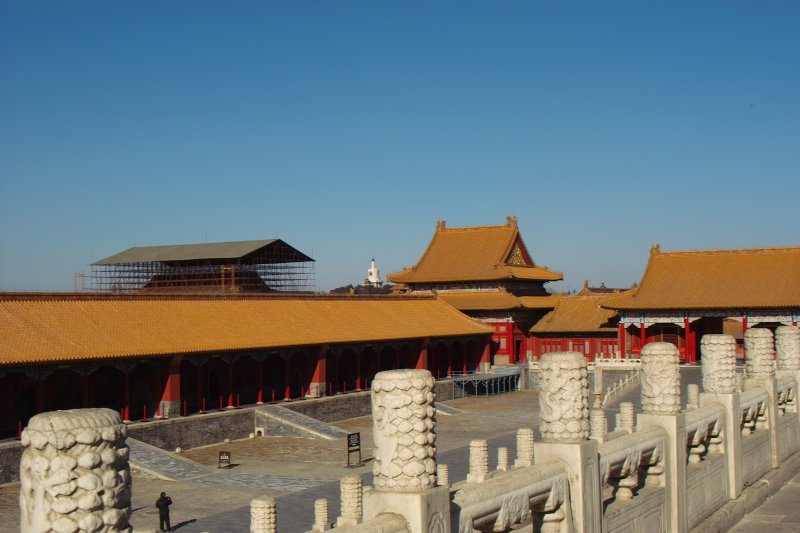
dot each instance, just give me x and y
(163, 504)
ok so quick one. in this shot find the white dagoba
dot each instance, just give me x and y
(373, 275)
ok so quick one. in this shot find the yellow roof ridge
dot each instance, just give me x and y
(732, 251)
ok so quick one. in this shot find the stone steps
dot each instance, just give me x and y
(280, 420)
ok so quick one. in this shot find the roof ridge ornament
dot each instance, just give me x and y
(511, 220)
(655, 249)
(441, 225)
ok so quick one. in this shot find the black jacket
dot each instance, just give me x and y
(163, 504)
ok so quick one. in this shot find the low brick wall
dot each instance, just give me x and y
(10, 454)
(195, 430)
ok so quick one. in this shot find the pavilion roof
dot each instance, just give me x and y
(477, 253)
(203, 252)
(748, 278)
(495, 300)
(577, 314)
(39, 329)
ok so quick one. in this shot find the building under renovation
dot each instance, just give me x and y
(227, 267)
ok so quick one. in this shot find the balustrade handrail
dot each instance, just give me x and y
(753, 398)
(624, 454)
(479, 502)
(703, 417)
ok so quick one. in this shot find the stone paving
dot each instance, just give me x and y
(779, 514)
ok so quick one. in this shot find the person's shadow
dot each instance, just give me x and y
(184, 523)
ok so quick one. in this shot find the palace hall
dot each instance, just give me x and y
(146, 355)
(684, 295)
(488, 273)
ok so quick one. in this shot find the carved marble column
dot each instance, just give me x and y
(720, 388)
(661, 407)
(403, 430)
(404, 420)
(760, 372)
(74, 472)
(661, 378)
(719, 363)
(758, 347)
(564, 397)
(564, 412)
(787, 346)
(351, 496)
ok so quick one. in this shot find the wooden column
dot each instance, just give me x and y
(621, 339)
(170, 403)
(126, 373)
(200, 381)
(687, 327)
(358, 369)
(422, 358)
(287, 378)
(260, 397)
(231, 362)
(642, 336)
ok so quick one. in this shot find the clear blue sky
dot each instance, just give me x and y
(348, 128)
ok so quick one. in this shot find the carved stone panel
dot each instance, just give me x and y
(719, 363)
(564, 397)
(403, 430)
(661, 378)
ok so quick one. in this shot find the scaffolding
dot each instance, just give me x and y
(264, 266)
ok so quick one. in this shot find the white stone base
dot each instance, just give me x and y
(427, 511)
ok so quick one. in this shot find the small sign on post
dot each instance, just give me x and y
(354, 446)
(224, 460)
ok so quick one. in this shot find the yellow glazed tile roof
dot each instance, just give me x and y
(577, 314)
(716, 279)
(499, 300)
(479, 253)
(40, 330)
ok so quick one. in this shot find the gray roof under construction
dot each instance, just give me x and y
(196, 252)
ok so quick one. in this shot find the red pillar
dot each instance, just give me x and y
(260, 398)
(449, 360)
(486, 355)
(200, 386)
(621, 339)
(287, 393)
(319, 376)
(127, 393)
(358, 370)
(230, 384)
(642, 336)
(170, 404)
(422, 359)
(687, 333)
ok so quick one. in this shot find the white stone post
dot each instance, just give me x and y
(720, 388)
(351, 493)
(502, 459)
(525, 442)
(598, 425)
(692, 396)
(263, 515)
(478, 461)
(787, 348)
(564, 411)
(443, 475)
(74, 472)
(661, 404)
(760, 372)
(404, 420)
(627, 417)
(321, 515)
